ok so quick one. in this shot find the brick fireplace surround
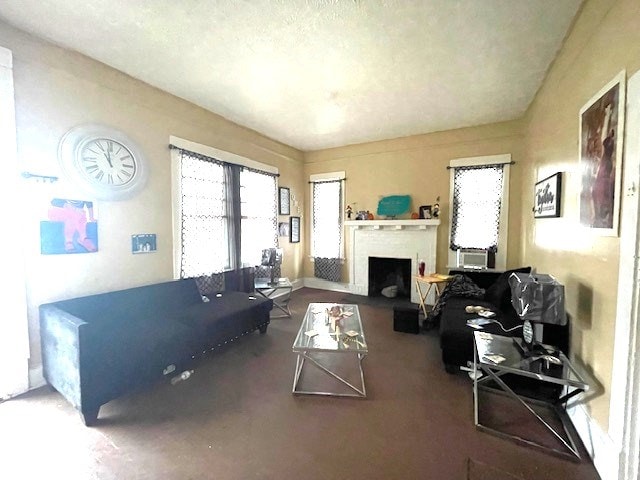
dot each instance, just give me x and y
(406, 239)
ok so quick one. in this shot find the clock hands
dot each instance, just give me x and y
(108, 153)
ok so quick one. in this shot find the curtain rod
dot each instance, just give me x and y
(328, 181)
(449, 167)
(221, 162)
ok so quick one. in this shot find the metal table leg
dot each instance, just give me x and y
(569, 444)
(360, 392)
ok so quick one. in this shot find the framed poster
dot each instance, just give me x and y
(284, 202)
(601, 134)
(68, 226)
(546, 197)
(294, 229)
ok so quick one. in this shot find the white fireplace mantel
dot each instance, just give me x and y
(414, 240)
(392, 224)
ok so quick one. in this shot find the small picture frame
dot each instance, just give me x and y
(283, 229)
(284, 201)
(143, 243)
(294, 229)
(425, 212)
(546, 197)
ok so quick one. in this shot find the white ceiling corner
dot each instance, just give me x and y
(321, 73)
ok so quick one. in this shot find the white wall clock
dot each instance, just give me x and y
(102, 161)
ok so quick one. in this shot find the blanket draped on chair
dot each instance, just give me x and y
(459, 286)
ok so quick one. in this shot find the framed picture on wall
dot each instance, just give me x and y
(294, 229)
(601, 134)
(547, 195)
(143, 243)
(283, 229)
(284, 201)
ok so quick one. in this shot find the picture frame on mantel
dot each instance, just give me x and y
(601, 136)
(547, 197)
(284, 201)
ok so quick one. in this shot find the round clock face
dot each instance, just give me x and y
(527, 332)
(107, 162)
(102, 161)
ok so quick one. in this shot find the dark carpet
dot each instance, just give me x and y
(480, 471)
(236, 418)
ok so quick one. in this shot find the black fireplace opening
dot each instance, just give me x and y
(388, 272)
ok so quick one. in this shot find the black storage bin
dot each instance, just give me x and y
(405, 319)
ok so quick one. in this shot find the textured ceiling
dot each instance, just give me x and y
(321, 73)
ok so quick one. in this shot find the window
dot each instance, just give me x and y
(479, 206)
(204, 223)
(327, 218)
(226, 212)
(259, 215)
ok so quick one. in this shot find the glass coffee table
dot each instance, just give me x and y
(331, 339)
(279, 292)
(496, 356)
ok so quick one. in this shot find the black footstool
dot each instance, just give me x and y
(405, 319)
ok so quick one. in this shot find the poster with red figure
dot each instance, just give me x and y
(601, 134)
(69, 226)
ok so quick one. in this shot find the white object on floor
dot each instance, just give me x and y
(390, 292)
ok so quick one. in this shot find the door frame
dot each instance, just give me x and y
(15, 331)
(624, 425)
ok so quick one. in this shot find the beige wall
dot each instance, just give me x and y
(56, 89)
(416, 166)
(605, 39)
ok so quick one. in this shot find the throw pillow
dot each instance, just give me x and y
(499, 294)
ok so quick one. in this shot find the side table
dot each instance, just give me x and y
(429, 282)
(279, 292)
(497, 355)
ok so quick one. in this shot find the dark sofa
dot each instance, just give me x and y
(456, 338)
(99, 347)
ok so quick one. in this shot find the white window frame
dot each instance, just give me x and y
(176, 194)
(14, 344)
(257, 254)
(503, 231)
(323, 177)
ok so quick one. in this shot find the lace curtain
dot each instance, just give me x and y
(477, 197)
(327, 230)
(229, 214)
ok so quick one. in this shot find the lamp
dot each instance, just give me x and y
(270, 258)
(537, 299)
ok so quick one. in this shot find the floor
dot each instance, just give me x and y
(236, 418)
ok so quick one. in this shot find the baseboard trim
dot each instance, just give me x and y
(599, 445)
(312, 282)
(36, 378)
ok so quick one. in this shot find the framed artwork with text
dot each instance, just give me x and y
(294, 229)
(284, 201)
(546, 197)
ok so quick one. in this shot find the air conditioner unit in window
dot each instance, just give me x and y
(472, 258)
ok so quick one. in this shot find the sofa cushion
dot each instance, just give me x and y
(499, 294)
(227, 313)
(456, 338)
(125, 307)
